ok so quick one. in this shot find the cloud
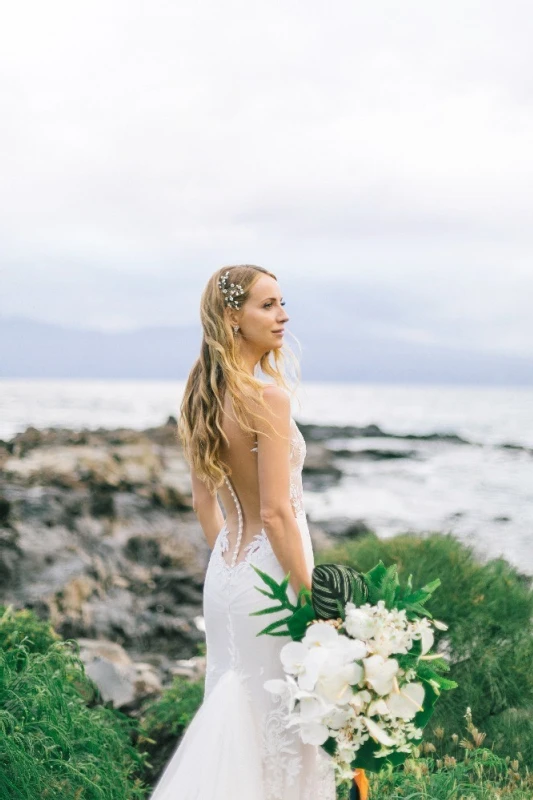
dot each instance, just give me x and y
(143, 145)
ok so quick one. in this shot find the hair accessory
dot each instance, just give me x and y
(231, 291)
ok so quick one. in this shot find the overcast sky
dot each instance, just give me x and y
(389, 144)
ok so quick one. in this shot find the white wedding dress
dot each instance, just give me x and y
(237, 746)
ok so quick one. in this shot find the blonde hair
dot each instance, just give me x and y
(219, 369)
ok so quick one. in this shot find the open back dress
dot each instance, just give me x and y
(237, 746)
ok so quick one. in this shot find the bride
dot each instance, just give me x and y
(245, 448)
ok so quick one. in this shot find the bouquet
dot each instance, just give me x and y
(360, 678)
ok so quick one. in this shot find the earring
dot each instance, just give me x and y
(235, 328)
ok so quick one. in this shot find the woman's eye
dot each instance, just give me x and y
(267, 305)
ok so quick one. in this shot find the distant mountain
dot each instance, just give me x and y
(330, 352)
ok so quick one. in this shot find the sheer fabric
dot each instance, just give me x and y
(237, 746)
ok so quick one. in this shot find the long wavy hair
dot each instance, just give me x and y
(220, 369)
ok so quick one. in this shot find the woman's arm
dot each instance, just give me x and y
(207, 509)
(273, 458)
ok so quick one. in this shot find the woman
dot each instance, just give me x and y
(242, 443)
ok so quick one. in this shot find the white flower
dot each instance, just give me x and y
(299, 660)
(335, 684)
(338, 717)
(313, 709)
(360, 700)
(377, 707)
(313, 733)
(320, 634)
(358, 623)
(351, 649)
(288, 690)
(346, 754)
(380, 673)
(405, 703)
(377, 732)
(440, 625)
(389, 641)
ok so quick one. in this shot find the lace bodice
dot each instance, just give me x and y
(298, 453)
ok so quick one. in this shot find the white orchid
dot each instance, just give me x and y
(321, 634)
(300, 660)
(313, 733)
(380, 673)
(405, 703)
(336, 684)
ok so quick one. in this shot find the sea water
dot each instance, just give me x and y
(481, 490)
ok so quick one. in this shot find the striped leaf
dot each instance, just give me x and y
(332, 583)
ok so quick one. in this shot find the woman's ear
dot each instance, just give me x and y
(232, 317)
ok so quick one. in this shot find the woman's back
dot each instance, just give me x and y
(241, 457)
(242, 491)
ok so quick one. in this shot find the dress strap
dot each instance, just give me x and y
(239, 514)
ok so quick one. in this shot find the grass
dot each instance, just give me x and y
(57, 740)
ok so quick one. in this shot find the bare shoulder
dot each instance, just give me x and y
(277, 407)
(276, 397)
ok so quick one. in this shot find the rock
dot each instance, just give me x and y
(319, 471)
(191, 668)
(345, 528)
(5, 510)
(374, 454)
(10, 557)
(119, 679)
(181, 586)
(171, 498)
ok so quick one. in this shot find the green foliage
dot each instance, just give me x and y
(56, 740)
(165, 719)
(489, 644)
(456, 767)
(483, 775)
(295, 622)
(23, 626)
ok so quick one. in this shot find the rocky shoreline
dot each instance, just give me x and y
(98, 535)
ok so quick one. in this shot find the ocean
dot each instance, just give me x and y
(481, 490)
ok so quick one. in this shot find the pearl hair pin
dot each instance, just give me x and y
(230, 291)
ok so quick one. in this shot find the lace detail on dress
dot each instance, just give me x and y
(297, 457)
(298, 453)
(319, 783)
(258, 548)
(280, 752)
